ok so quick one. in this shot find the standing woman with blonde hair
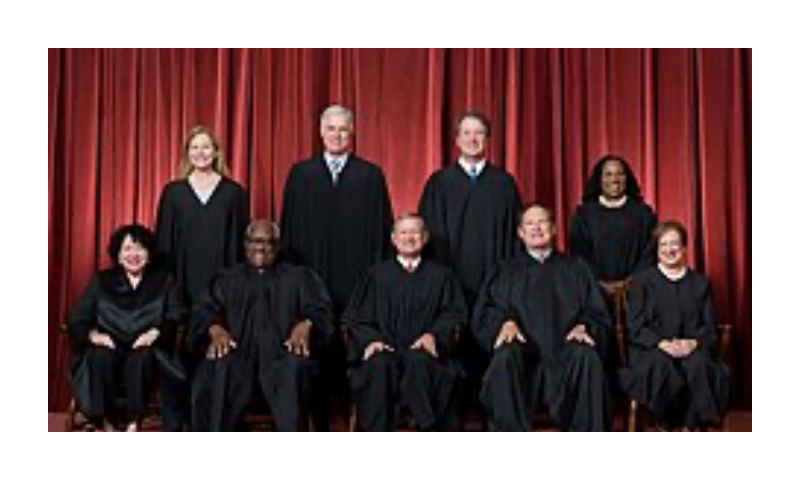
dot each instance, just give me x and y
(202, 216)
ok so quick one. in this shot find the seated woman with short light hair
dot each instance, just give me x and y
(672, 328)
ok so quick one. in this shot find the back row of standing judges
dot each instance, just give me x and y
(536, 314)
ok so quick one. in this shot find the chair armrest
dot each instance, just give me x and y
(724, 339)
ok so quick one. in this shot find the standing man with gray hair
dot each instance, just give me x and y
(337, 218)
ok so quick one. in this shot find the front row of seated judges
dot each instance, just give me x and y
(541, 316)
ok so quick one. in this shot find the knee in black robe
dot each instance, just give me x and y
(119, 381)
(681, 392)
(411, 379)
(225, 387)
(397, 307)
(259, 308)
(571, 385)
(546, 300)
(110, 305)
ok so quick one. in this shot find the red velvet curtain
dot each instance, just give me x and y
(118, 118)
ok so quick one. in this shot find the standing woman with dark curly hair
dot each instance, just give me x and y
(202, 217)
(612, 228)
(612, 231)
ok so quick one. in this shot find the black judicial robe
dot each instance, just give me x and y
(658, 309)
(339, 229)
(259, 308)
(547, 300)
(472, 225)
(397, 307)
(112, 306)
(615, 242)
(199, 239)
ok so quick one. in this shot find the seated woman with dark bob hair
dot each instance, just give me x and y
(119, 330)
(673, 370)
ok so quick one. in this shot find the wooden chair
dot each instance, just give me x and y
(618, 300)
(637, 415)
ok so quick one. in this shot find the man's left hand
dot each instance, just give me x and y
(426, 342)
(579, 334)
(146, 339)
(298, 342)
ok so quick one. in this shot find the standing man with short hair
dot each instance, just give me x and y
(337, 217)
(471, 209)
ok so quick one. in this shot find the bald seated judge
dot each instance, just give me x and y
(543, 318)
(402, 319)
(257, 324)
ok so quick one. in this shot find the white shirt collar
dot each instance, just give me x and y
(540, 256)
(673, 276)
(414, 263)
(467, 166)
(613, 203)
(329, 158)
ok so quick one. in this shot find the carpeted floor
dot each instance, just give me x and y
(738, 421)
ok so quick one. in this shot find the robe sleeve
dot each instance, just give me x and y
(649, 256)
(360, 317)
(452, 312)
(175, 310)
(707, 334)
(208, 310)
(175, 314)
(594, 312)
(385, 221)
(580, 242)
(431, 209)
(315, 305)
(165, 227)
(640, 314)
(289, 214)
(516, 210)
(83, 317)
(241, 219)
(493, 308)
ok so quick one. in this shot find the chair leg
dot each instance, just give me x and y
(724, 424)
(353, 419)
(71, 416)
(633, 416)
(76, 420)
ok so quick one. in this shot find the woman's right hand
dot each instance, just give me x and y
(101, 339)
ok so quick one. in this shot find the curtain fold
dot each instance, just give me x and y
(681, 117)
